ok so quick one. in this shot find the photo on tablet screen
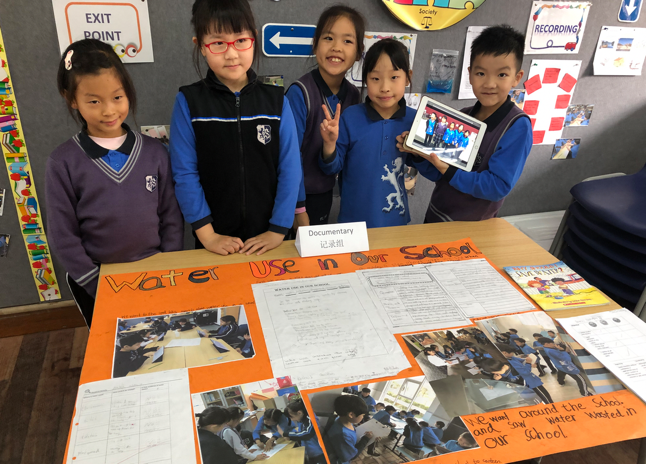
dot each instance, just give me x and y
(451, 137)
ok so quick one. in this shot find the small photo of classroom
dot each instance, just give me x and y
(578, 115)
(538, 352)
(566, 149)
(188, 339)
(394, 421)
(461, 366)
(518, 97)
(259, 421)
(449, 138)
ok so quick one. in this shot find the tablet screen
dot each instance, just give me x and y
(451, 137)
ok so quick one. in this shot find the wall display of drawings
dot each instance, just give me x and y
(620, 51)
(16, 159)
(549, 88)
(556, 27)
(370, 38)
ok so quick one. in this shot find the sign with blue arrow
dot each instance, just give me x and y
(629, 10)
(287, 39)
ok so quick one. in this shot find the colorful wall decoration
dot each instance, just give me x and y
(23, 189)
(431, 15)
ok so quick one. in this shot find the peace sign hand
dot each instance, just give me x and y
(330, 130)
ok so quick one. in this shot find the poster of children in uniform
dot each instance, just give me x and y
(518, 97)
(566, 149)
(578, 115)
(448, 137)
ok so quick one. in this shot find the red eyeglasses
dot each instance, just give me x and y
(219, 47)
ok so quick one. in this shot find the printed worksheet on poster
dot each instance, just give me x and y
(620, 51)
(325, 331)
(616, 338)
(466, 91)
(549, 89)
(410, 299)
(146, 418)
(478, 288)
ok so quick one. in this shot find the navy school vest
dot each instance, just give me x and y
(237, 144)
(314, 93)
(447, 202)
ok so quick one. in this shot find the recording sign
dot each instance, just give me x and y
(124, 24)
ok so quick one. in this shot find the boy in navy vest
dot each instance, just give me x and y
(496, 60)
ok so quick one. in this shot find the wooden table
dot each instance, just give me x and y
(288, 455)
(186, 356)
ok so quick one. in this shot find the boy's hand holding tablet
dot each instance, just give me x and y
(432, 158)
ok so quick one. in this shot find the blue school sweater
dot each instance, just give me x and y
(283, 422)
(525, 371)
(382, 416)
(370, 402)
(528, 349)
(562, 361)
(449, 135)
(343, 442)
(304, 433)
(430, 127)
(429, 436)
(413, 437)
(439, 433)
(370, 167)
(452, 445)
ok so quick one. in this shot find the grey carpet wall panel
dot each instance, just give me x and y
(613, 141)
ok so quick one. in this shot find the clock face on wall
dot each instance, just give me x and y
(431, 15)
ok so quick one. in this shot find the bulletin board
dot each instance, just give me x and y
(611, 143)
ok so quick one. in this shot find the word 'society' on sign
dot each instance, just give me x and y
(124, 24)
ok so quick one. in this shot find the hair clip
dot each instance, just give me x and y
(68, 60)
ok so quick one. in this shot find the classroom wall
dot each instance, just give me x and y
(610, 144)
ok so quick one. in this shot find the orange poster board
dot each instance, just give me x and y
(503, 436)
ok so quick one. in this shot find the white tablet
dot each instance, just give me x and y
(453, 136)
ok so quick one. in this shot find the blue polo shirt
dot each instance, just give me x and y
(370, 402)
(562, 361)
(429, 436)
(370, 167)
(283, 422)
(382, 416)
(452, 445)
(527, 349)
(439, 433)
(343, 441)
(525, 371)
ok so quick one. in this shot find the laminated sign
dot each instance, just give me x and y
(556, 27)
(124, 24)
(431, 15)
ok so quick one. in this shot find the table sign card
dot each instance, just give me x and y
(332, 239)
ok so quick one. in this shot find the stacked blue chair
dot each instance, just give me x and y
(603, 237)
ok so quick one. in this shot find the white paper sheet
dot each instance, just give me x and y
(146, 418)
(617, 339)
(478, 288)
(556, 27)
(410, 299)
(548, 96)
(378, 430)
(325, 331)
(184, 342)
(255, 450)
(466, 91)
(620, 51)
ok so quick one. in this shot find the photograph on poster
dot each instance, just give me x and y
(187, 339)
(518, 97)
(256, 421)
(566, 149)
(624, 45)
(397, 420)
(578, 115)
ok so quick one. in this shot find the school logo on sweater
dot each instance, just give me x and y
(151, 183)
(263, 133)
(394, 177)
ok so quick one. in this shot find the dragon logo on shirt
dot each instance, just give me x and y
(263, 133)
(393, 177)
(151, 183)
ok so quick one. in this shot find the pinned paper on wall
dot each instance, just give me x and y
(550, 98)
(620, 51)
(466, 91)
(578, 115)
(556, 27)
(370, 38)
(518, 97)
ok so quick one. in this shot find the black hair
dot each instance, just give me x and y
(440, 424)
(213, 416)
(235, 413)
(382, 404)
(424, 424)
(513, 330)
(558, 279)
(331, 15)
(91, 57)
(244, 332)
(390, 408)
(466, 436)
(497, 41)
(551, 331)
(396, 51)
(537, 335)
(492, 365)
(506, 348)
(346, 404)
(228, 16)
(544, 340)
(183, 320)
(522, 340)
(412, 423)
(132, 339)
(414, 411)
(294, 407)
(231, 319)
(273, 414)
(365, 390)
